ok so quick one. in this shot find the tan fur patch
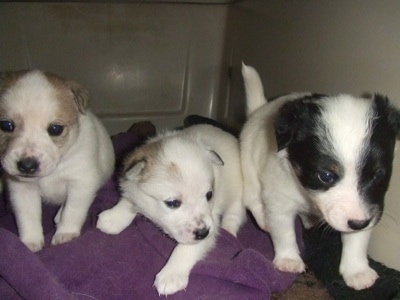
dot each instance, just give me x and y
(67, 114)
(174, 172)
(69, 92)
(149, 153)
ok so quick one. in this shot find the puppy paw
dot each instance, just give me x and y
(64, 237)
(307, 221)
(361, 280)
(168, 283)
(111, 223)
(34, 246)
(291, 265)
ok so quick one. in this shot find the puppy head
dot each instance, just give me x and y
(341, 150)
(39, 115)
(172, 183)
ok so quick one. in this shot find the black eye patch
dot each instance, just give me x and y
(315, 168)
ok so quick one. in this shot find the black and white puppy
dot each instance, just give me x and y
(315, 155)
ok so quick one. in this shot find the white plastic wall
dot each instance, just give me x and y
(140, 60)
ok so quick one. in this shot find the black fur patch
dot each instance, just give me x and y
(296, 119)
(298, 128)
(375, 166)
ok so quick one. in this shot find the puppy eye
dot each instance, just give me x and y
(55, 130)
(173, 203)
(327, 177)
(209, 195)
(379, 174)
(7, 126)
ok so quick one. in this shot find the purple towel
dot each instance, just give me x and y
(100, 266)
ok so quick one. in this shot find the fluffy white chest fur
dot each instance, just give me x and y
(328, 156)
(184, 181)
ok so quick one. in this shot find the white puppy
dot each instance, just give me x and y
(184, 181)
(309, 154)
(52, 149)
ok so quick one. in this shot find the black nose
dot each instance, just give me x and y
(358, 224)
(201, 233)
(28, 165)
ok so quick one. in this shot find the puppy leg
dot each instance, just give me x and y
(233, 218)
(287, 257)
(74, 213)
(306, 220)
(252, 185)
(174, 276)
(27, 206)
(354, 265)
(252, 198)
(116, 219)
(57, 218)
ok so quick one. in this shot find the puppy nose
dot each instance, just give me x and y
(201, 233)
(358, 224)
(28, 165)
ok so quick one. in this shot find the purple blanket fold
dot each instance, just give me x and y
(100, 266)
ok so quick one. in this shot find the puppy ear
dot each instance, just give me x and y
(140, 160)
(81, 95)
(294, 120)
(134, 169)
(386, 110)
(214, 157)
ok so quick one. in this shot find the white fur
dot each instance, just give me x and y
(348, 121)
(196, 170)
(274, 195)
(70, 174)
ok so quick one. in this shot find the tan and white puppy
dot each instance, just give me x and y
(184, 181)
(317, 155)
(52, 148)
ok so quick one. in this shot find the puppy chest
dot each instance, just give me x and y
(54, 191)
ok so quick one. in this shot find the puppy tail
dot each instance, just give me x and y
(254, 89)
